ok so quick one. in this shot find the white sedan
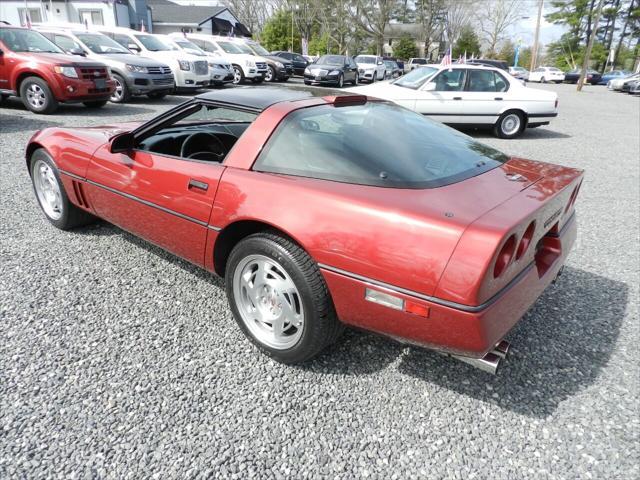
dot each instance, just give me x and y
(546, 74)
(469, 95)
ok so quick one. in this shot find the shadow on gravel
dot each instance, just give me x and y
(540, 133)
(78, 109)
(19, 123)
(559, 349)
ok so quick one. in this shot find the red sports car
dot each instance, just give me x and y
(322, 209)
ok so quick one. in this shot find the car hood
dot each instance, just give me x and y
(63, 58)
(367, 66)
(384, 90)
(318, 66)
(128, 58)
(274, 58)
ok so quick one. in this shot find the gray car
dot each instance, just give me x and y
(134, 75)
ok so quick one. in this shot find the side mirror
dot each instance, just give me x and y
(122, 143)
(77, 51)
(1, 52)
(429, 87)
(379, 63)
(133, 47)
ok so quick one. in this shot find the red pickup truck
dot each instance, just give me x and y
(36, 70)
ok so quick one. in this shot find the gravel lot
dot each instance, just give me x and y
(118, 360)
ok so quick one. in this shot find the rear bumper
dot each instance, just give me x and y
(463, 330)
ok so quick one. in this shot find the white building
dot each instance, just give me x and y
(158, 16)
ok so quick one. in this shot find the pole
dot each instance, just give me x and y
(534, 52)
(587, 53)
(292, 28)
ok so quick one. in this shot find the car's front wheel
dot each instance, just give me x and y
(279, 298)
(51, 194)
(238, 75)
(122, 93)
(509, 125)
(341, 81)
(356, 79)
(270, 76)
(37, 96)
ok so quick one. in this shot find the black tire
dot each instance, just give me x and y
(284, 79)
(340, 83)
(157, 95)
(257, 79)
(270, 76)
(543, 80)
(238, 75)
(505, 127)
(321, 324)
(71, 216)
(47, 104)
(125, 94)
(355, 80)
(95, 104)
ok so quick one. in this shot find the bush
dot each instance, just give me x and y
(405, 48)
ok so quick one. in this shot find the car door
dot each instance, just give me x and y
(484, 96)
(162, 198)
(440, 98)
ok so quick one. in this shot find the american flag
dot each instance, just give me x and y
(446, 60)
(28, 19)
(142, 29)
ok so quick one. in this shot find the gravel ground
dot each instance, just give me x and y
(118, 360)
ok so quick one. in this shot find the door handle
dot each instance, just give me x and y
(198, 185)
(457, 98)
(498, 98)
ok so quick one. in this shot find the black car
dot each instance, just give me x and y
(299, 62)
(572, 76)
(501, 64)
(399, 63)
(332, 70)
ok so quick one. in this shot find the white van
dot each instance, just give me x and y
(191, 72)
(246, 67)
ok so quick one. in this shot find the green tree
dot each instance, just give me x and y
(276, 34)
(322, 44)
(467, 42)
(405, 48)
(507, 52)
(524, 58)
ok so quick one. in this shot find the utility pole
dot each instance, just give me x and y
(534, 52)
(587, 53)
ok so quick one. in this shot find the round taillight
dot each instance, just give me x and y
(505, 256)
(525, 241)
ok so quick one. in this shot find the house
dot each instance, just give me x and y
(394, 31)
(157, 16)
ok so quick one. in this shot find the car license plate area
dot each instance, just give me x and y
(100, 83)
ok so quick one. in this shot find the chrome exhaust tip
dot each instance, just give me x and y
(489, 363)
(502, 349)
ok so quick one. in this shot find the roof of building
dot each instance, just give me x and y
(164, 11)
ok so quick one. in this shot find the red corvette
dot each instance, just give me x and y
(321, 211)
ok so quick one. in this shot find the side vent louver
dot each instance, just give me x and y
(79, 192)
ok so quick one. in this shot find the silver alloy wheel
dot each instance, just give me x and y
(237, 75)
(357, 79)
(118, 93)
(510, 124)
(269, 75)
(340, 81)
(268, 301)
(47, 189)
(36, 96)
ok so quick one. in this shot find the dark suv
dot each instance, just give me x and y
(299, 62)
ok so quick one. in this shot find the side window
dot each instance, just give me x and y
(208, 47)
(299, 58)
(66, 43)
(501, 83)
(123, 40)
(450, 81)
(481, 81)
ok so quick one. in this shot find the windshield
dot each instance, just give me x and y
(259, 49)
(19, 40)
(244, 48)
(420, 61)
(360, 59)
(416, 78)
(229, 47)
(100, 44)
(190, 47)
(331, 60)
(351, 144)
(153, 44)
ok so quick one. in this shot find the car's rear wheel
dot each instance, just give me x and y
(121, 94)
(280, 299)
(543, 80)
(36, 96)
(52, 196)
(95, 104)
(509, 125)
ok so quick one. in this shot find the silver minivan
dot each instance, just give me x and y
(133, 75)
